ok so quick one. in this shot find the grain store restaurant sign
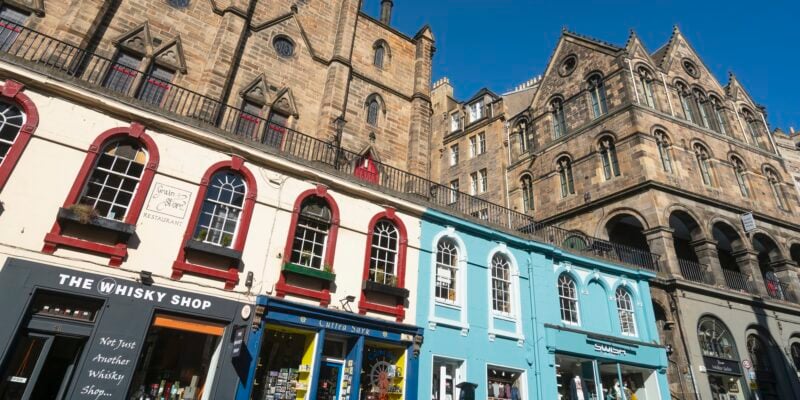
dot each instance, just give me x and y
(76, 335)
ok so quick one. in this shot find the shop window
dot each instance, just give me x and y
(568, 297)
(383, 287)
(446, 375)
(283, 368)
(626, 312)
(504, 383)
(215, 236)
(585, 378)
(18, 120)
(501, 285)
(762, 365)
(310, 247)
(382, 372)
(123, 72)
(64, 306)
(447, 271)
(103, 205)
(179, 357)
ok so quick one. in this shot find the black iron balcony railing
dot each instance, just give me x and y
(30, 48)
(739, 281)
(694, 271)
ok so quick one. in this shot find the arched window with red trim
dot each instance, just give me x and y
(107, 195)
(383, 288)
(219, 223)
(307, 269)
(18, 120)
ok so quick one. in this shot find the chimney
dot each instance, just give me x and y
(386, 11)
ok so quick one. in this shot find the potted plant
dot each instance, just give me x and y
(84, 212)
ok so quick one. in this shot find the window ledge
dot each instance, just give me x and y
(509, 318)
(447, 305)
(311, 272)
(126, 230)
(397, 292)
(209, 248)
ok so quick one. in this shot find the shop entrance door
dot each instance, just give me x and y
(38, 355)
(330, 378)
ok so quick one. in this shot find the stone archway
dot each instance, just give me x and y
(692, 250)
(627, 234)
(769, 256)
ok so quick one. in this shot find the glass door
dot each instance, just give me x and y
(51, 357)
(330, 376)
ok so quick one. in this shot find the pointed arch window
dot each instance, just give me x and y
(702, 157)
(447, 271)
(18, 120)
(157, 85)
(522, 134)
(559, 123)
(11, 121)
(686, 99)
(662, 141)
(740, 171)
(565, 175)
(501, 284)
(646, 81)
(373, 108)
(775, 185)
(699, 103)
(12, 27)
(608, 153)
(568, 297)
(380, 54)
(597, 90)
(123, 72)
(753, 127)
(526, 184)
(721, 124)
(626, 312)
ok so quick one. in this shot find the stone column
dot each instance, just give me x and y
(747, 260)
(785, 271)
(660, 241)
(708, 257)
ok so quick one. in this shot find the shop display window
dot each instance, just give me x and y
(178, 359)
(382, 372)
(62, 305)
(446, 375)
(725, 387)
(504, 383)
(284, 364)
(587, 379)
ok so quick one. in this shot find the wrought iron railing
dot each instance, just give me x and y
(739, 281)
(28, 47)
(694, 271)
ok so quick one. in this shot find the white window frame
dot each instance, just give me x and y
(459, 371)
(483, 180)
(475, 111)
(473, 183)
(473, 146)
(454, 188)
(481, 143)
(384, 232)
(109, 172)
(221, 209)
(454, 155)
(310, 228)
(454, 122)
(13, 121)
(566, 297)
(626, 311)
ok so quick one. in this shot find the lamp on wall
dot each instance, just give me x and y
(146, 277)
(345, 303)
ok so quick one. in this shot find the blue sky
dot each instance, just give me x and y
(501, 43)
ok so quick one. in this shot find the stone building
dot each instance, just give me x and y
(649, 149)
(789, 147)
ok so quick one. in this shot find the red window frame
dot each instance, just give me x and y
(282, 288)
(119, 250)
(11, 92)
(231, 276)
(364, 304)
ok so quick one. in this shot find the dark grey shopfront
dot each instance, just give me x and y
(75, 335)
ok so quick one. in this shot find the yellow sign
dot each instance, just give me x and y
(753, 385)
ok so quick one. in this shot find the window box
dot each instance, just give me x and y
(123, 229)
(314, 273)
(370, 286)
(208, 248)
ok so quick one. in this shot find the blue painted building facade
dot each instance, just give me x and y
(524, 320)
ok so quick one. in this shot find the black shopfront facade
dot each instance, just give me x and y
(69, 334)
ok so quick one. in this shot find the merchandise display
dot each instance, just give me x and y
(382, 372)
(284, 364)
(503, 384)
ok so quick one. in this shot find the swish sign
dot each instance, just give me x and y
(606, 349)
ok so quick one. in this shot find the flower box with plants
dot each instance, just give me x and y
(381, 282)
(325, 274)
(223, 249)
(87, 215)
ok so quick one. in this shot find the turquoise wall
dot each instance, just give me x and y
(529, 341)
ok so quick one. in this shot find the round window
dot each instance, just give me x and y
(568, 65)
(690, 68)
(283, 46)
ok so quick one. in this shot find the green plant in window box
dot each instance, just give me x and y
(84, 212)
(201, 234)
(327, 268)
(226, 240)
(391, 280)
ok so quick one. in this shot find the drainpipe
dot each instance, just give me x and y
(633, 79)
(534, 318)
(669, 98)
(674, 304)
(769, 135)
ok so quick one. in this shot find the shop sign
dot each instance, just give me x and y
(110, 287)
(723, 366)
(337, 326)
(604, 348)
(108, 367)
(746, 364)
(748, 222)
(238, 340)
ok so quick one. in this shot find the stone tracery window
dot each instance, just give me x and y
(740, 171)
(559, 122)
(715, 339)
(702, 157)
(662, 141)
(775, 185)
(597, 90)
(646, 81)
(526, 184)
